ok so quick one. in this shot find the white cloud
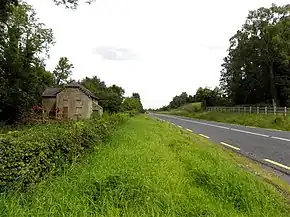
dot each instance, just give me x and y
(113, 53)
(172, 45)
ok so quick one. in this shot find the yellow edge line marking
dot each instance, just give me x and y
(204, 136)
(233, 147)
(277, 164)
(189, 130)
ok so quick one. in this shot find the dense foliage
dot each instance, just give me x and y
(112, 98)
(207, 96)
(27, 156)
(133, 103)
(256, 69)
(24, 42)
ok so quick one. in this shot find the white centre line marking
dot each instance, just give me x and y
(233, 147)
(279, 138)
(248, 132)
(207, 137)
(189, 130)
(277, 164)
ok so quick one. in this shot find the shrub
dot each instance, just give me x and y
(28, 156)
(192, 107)
(278, 120)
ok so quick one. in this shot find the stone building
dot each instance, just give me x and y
(73, 101)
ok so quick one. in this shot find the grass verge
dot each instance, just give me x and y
(263, 121)
(148, 168)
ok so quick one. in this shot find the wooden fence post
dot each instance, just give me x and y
(258, 109)
(244, 109)
(250, 109)
(285, 111)
(275, 110)
(266, 110)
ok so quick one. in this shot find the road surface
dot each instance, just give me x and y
(270, 147)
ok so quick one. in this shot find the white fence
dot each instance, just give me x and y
(252, 109)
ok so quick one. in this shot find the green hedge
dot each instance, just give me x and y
(28, 156)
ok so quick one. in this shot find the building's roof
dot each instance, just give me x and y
(75, 84)
(52, 92)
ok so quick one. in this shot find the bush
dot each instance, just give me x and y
(28, 156)
(192, 107)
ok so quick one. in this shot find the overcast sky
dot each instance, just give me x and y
(158, 48)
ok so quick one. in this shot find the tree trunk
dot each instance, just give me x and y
(272, 85)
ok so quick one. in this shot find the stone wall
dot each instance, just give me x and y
(74, 104)
(97, 108)
(49, 105)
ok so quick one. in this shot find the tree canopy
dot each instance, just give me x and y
(25, 42)
(111, 97)
(256, 69)
(133, 103)
(209, 97)
(62, 71)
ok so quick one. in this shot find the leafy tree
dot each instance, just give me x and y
(6, 7)
(95, 85)
(210, 97)
(137, 96)
(71, 3)
(132, 103)
(256, 69)
(62, 71)
(180, 100)
(114, 97)
(22, 71)
(111, 98)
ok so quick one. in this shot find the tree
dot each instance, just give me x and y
(6, 7)
(62, 71)
(23, 76)
(137, 97)
(111, 98)
(256, 69)
(95, 85)
(180, 100)
(114, 97)
(132, 104)
(210, 97)
(71, 3)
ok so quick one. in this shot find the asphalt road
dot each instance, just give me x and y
(269, 147)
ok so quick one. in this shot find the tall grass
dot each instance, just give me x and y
(149, 168)
(256, 120)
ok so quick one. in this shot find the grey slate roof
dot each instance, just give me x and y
(52, 92)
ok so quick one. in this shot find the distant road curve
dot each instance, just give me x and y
(270, 147)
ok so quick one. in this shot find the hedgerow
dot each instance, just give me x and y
(28, 156)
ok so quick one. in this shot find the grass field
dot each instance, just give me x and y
(148, 168)
(263, 121)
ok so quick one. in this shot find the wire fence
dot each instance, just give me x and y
(252, 110)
